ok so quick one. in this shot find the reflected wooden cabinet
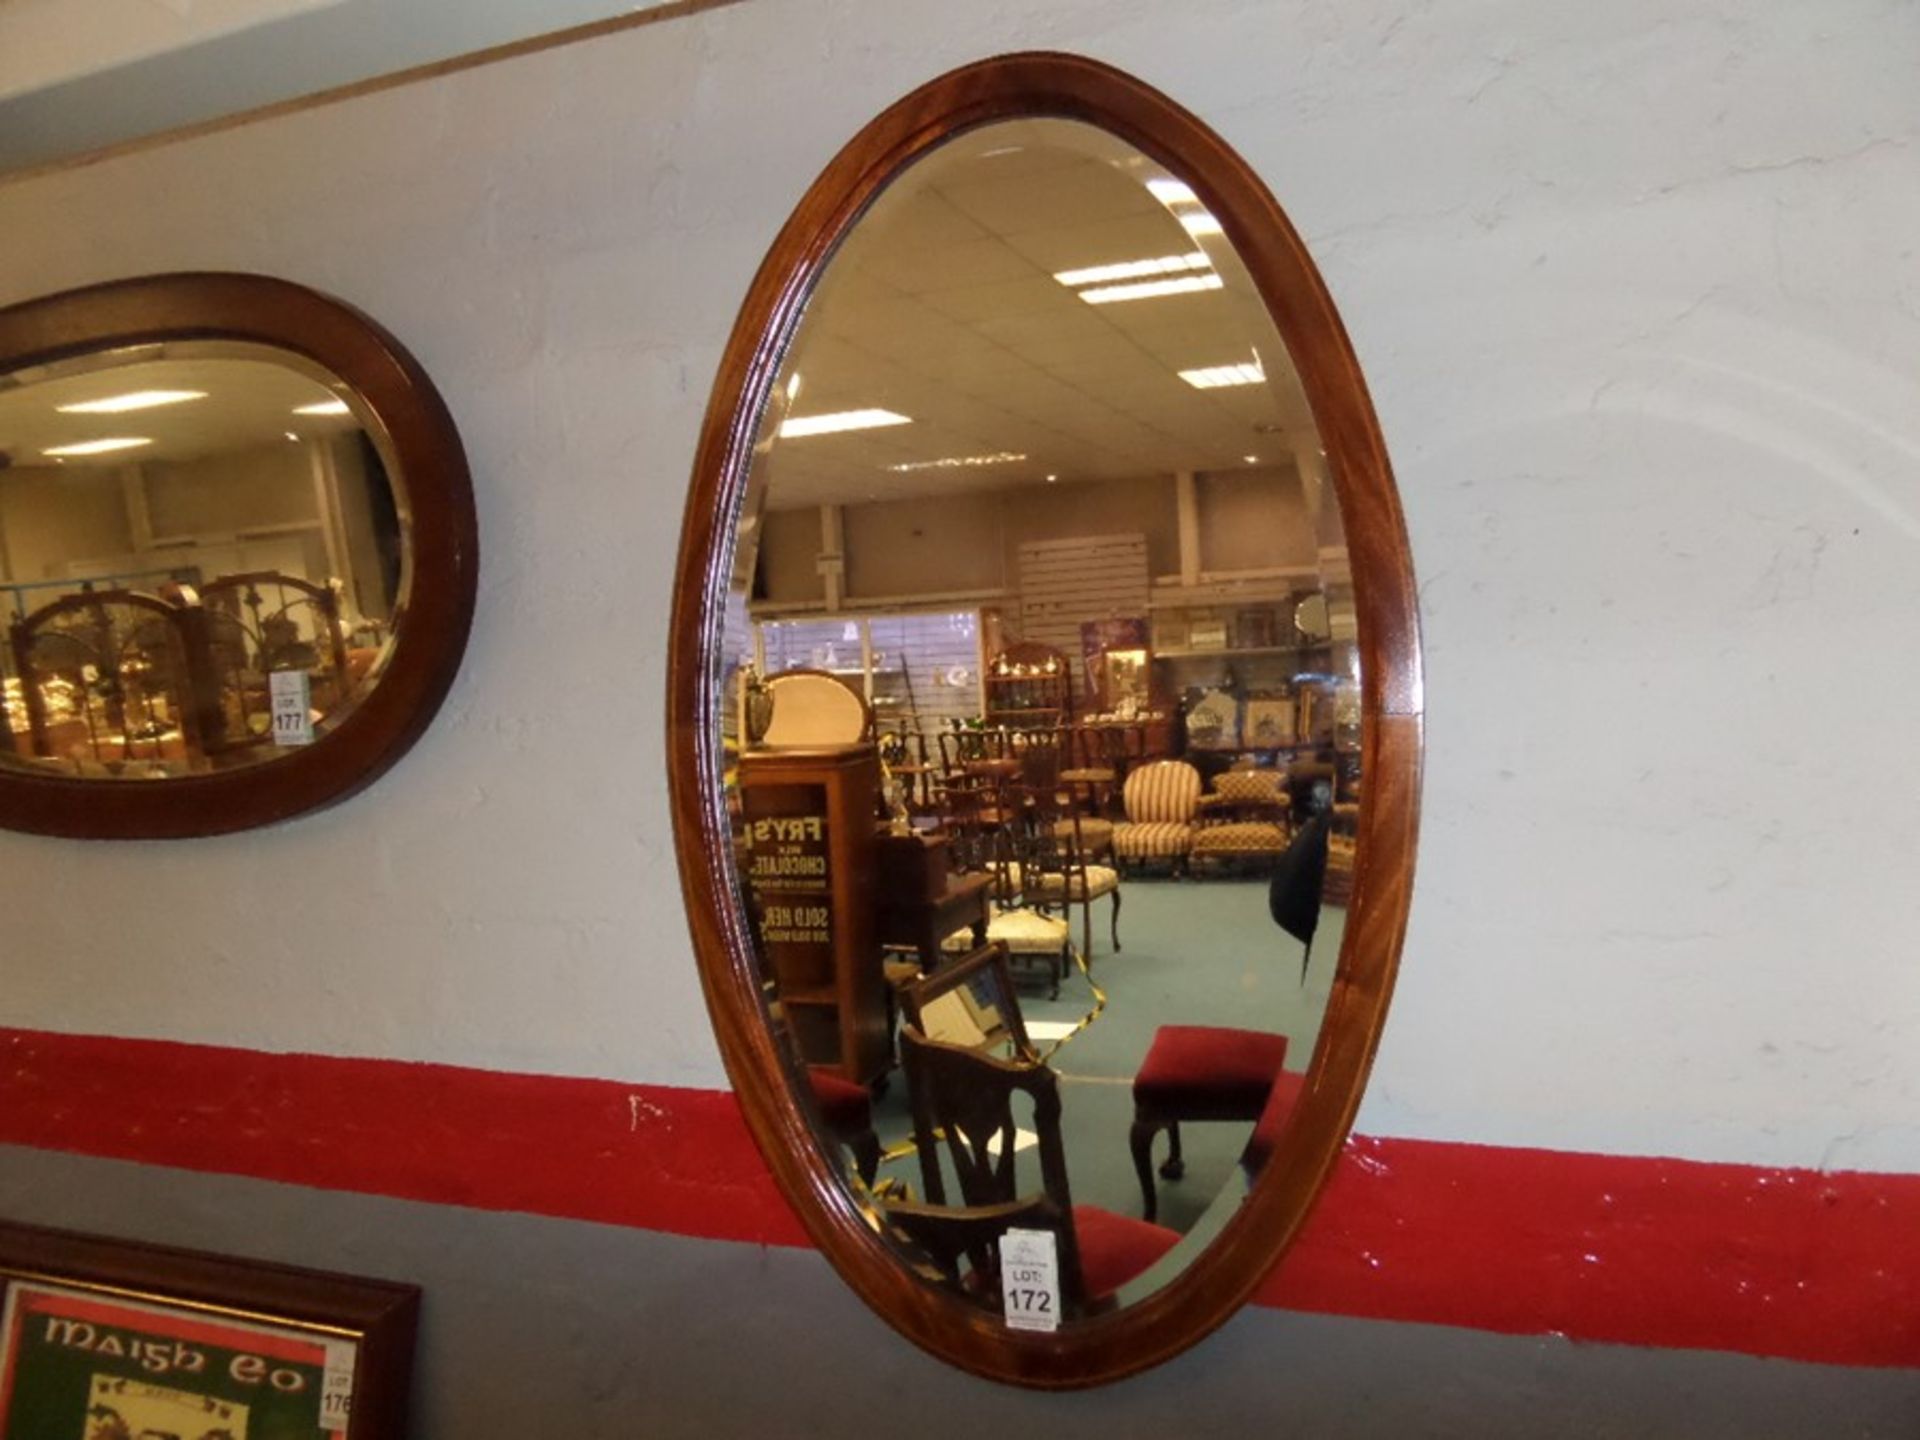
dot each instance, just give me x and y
(1029, 687)
(807, 852)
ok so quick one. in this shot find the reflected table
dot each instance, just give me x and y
(919, 922)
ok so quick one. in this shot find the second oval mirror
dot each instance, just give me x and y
(1046, 734)
(185, 527)
(237, 555)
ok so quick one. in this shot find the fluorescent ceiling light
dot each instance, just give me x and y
(132, 400)
(1213, 377)
(98, 447)
(1134, 269)
(322, 407)
(1185, 206)
(958, 462)
(838, 420)
(1147, 289)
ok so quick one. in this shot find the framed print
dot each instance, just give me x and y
(116, 1340)
(1213, 722)
(1208, 635)
(1269, 722)
(1253, 628)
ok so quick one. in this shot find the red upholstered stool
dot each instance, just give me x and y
(1273, 1120)
(1198, 1072)
(846, 1112)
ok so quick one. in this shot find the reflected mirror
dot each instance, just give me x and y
(237, 555)
(202, 558)
(1040, 681)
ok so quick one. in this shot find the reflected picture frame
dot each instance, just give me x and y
(97, 1332)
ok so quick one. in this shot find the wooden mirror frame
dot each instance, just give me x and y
(1222, 1277)
(443, 549)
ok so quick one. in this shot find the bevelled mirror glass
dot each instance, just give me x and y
(213, 560)
(1042, 759)
(200, 511)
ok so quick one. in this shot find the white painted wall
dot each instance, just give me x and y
(78, 75)
(1635, 289)
(47, 42)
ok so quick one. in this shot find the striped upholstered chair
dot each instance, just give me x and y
(1161, 801)
(1244, 818)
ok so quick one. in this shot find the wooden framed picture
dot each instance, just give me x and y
(1208, 634)
(1253, 628)
(117, 1340)
(1213, 722)
(1270, 722)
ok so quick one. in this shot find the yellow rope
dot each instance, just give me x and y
(1099, 1004)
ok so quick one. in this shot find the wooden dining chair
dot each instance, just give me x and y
(1055, 782)
(963, 1099)
(1053, 869)
(109, 677)
(904, 750)
(961, 1244)
(970, 999)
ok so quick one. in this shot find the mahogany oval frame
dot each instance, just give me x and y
(444, 547)
(1224, 1275)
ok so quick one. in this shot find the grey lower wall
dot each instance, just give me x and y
(538, 1328)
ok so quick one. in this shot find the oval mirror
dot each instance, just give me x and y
(1045, 721)
(236, 555)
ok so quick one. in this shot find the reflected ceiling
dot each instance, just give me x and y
(958, 322)
(250, 394)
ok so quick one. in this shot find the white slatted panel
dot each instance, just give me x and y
(1064, 583)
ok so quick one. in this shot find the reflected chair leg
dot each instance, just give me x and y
(1142, 1141)
(866, 1156)
(1174, 1167)
(1116, 918)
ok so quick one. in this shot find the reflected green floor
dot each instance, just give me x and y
(1202, 952)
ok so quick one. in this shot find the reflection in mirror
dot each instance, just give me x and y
(1041, 663)
(203, 559)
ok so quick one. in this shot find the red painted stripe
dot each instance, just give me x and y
(1795, 1263)
(1791, 1263)
(649, 1156)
